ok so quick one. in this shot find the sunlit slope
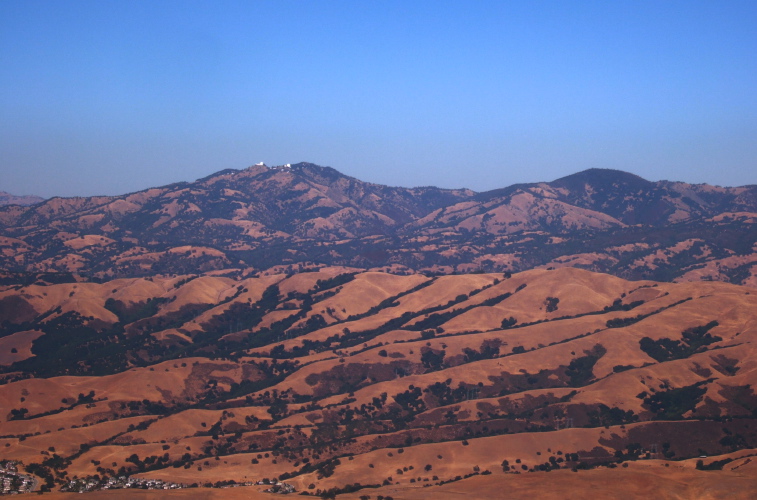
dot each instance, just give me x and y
(338, 377)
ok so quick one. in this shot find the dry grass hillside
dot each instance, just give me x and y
(351, 383)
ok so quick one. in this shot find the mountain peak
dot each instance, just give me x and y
(601, 176)
(11, 199)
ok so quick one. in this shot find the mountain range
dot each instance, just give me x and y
(293, 329)
(303, 216)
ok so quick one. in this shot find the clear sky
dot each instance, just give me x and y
(108, 97)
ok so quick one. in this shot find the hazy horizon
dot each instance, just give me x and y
(104, 98)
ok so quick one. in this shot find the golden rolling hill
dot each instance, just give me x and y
(351, 383)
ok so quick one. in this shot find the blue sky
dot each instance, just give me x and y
(108, 97)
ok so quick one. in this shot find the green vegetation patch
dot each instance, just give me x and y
(673, 403)
(580, 370)
(131, 313)
(693, 340)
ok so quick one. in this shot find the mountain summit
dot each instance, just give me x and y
(11, 199)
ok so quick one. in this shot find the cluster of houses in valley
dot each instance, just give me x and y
(280, 488)
(119, 482)
(122, 482)
(12, 482)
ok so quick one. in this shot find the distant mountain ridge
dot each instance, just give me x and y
(12, 199)
(304, 215)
